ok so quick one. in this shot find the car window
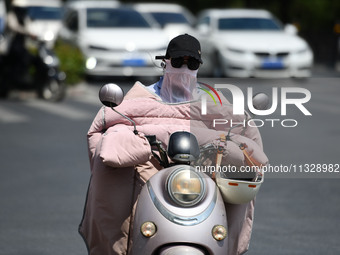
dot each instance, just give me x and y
(2, 8)
(2, 16)
(118, 18)
(247, 24)
(2, 26)
(164, 18)
(204, 21)
(44, 12)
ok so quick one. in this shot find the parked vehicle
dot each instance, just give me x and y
(43, 18)
(115, 40)
(251, 43)
(41, 74)
(178, 202)
(174, 19)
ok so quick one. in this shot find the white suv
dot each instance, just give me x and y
(116, 40)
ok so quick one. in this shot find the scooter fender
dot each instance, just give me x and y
(175, 224)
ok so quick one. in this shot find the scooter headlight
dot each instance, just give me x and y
(148, 229)
(219, 232)
(185, 187)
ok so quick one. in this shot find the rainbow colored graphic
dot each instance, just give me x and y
(209, 93)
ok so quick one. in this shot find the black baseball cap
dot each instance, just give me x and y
(181, 46)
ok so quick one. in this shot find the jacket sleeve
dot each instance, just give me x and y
(94, 135)
(116, 144)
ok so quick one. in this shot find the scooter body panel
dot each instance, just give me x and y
(178, 225)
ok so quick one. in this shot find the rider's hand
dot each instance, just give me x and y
(33, 37)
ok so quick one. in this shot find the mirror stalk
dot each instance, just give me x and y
(126, 117)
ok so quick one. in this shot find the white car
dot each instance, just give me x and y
(116, 40)
(174, 19)
(251, 43)
(43, 18)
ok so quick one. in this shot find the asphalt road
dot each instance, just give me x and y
(45, 172)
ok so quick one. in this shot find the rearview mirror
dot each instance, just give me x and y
(203, 29)
(291, 29)
(111, 95)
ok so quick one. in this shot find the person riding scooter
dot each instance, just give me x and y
(19, 57)
(36, 68)
(116, 153)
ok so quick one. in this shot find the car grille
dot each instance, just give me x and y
(262, 54)
(282, 54)
(267, 54)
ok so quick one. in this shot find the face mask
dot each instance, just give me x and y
(178, 83)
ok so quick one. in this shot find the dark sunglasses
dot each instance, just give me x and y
(192, 63)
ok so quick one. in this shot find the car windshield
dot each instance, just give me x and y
(2, 26)
(248, 24)
(116, 18)
(2, 8)
(44, 12)
(164, 18)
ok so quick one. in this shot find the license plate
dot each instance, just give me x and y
(134, 62)
(272, 64)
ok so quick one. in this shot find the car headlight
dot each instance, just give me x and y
(49, 36)
(91, 63)
(185, 187)
(93, 47)
(236, 51)
(302, 51)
